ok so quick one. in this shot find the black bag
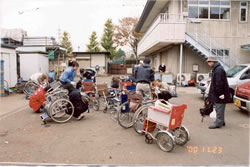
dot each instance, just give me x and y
(208, 108)
(165, 95)
(115, 82)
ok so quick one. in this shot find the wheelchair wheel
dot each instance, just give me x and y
(165, 141)
(96, 105)
(181, 135)
(148, 139)
(125, 118)
(19, 87)
(61, 110)
(140, 116)
(29, 88)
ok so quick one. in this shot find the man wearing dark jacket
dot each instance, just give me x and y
(219, 92)
(144, 75)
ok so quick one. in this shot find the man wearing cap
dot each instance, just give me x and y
(219, 92)
(144, 75)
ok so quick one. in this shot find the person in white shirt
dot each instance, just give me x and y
(162, 85)
(39, 78)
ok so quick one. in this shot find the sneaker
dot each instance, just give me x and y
(80, 117)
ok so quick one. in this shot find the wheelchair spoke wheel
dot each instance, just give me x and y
(165, 141)
(125, 117)
(19, 87)
(114, 114)
(29, 88)
(148, 139)
(140, 116)
(61, 110)
(181, 136)
(96, 105)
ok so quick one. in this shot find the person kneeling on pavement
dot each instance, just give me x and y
(162, 90)
(37, 100)
(79, 102)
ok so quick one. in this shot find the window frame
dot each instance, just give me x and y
(209, 5)
(243, 7)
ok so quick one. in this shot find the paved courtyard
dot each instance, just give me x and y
(97, 139)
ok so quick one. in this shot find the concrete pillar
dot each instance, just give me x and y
(1, 78)
(180, 67)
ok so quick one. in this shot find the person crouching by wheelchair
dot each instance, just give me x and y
(40, 78)
(37, 100)
(69, 74)
(162, 90)
(79, 102)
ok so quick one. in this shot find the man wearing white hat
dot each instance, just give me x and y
(219, 92)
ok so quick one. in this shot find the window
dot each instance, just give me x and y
(204, 9)
(221, 52)
(224, 13)
(235, 70)
(245, 75)
(243, 12)
(214, 12)
(193, 12)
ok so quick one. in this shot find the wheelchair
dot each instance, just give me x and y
(29, 88)
(57, 107)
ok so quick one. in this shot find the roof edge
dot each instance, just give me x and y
(8, 46)
(91, 52)
(148, 7)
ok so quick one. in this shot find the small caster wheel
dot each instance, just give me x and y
(148, 139)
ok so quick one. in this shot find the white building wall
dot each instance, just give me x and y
(31, 63)
(171, 58)
(97, 59)
(10, 65)
(32, 49)
(43, 63)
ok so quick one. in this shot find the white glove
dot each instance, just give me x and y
(73, 83)
(222, 97)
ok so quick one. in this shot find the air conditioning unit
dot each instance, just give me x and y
(184, 77)
(201, 76)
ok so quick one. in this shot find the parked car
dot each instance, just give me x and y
(242, 96)
(238, 75)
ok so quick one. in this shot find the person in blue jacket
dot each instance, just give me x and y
(69, 74)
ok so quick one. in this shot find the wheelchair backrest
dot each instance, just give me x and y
(88, 86)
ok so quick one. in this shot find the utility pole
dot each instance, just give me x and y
(59, 35)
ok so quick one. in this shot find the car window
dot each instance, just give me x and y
(247, 73)
(235, 70)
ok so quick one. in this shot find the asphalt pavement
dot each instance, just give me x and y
(97, 139)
